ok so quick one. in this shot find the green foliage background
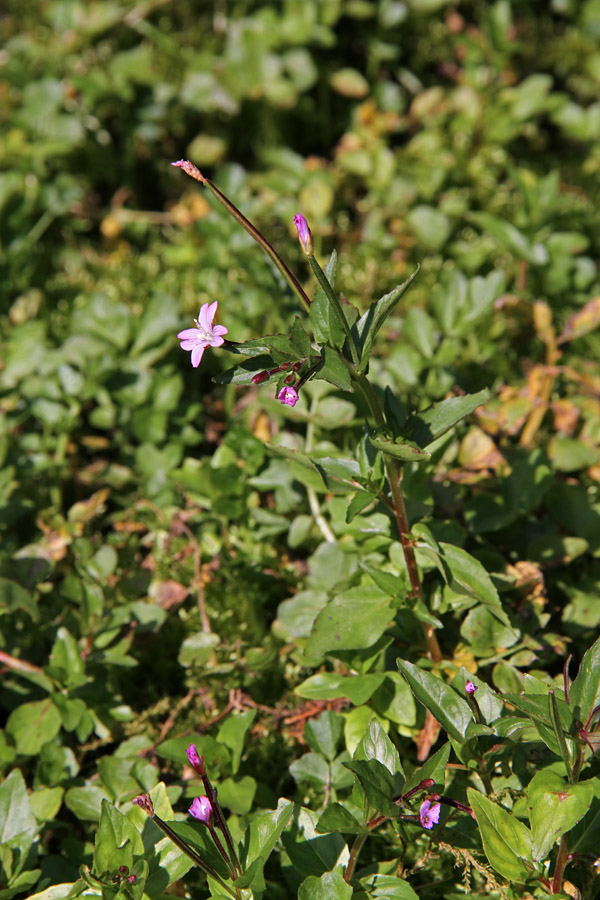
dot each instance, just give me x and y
(134, 492)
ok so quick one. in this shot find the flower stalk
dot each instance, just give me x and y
(191, 170)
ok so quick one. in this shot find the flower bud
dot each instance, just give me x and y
(259, 377)
(304, 235)
(470, 688)
(195, 760)
(145, 803)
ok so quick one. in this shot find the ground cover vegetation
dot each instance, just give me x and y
(346, 554)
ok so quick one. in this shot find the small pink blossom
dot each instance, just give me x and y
(201, 809)
(288, 395)
(204, 335)
(429, 815)
(304, 234)
(470, 688)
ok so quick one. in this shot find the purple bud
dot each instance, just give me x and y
(304, 235)
(131, 879)
(145, 803)
(288, 395)
(259, 377)
(470, 688)
(190, 169)
(123, 870)
(201, 809)
(195, 760)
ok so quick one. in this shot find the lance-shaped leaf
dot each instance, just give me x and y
(337, 818)
(375, 744)
(425, 427)
(334, 370)
(506, 841)
(264, 831)
(465, 575)
(585, 690)
(369, 324)
(452, 712)
(399, 448)
(555, 807)
(341, 476)
(278, 346)
(246, 370)
(378, 783)
(435, 768)
(323, 319)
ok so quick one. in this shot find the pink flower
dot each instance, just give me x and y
(201, 809)
(429, 815)
(470, 688)
(288, 395)
(195, 760)
(204, 335)
(304, 235)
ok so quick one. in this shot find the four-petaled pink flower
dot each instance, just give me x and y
(304, 235)
(470, 688)
(201, 809)
(288, 395)
(204, 335)
(429, 815)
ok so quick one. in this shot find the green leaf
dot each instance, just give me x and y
(237, 794)
(299, 340)
(16, 818)
(334, 370)
(468, 576)
(378, 783)
(555, 807)
(311, 769)
(86, 802)
(311, 853)
(33, 724)
(370, 322)
(115, 833)
(353, 620)
(264, 831)
(419, 329)
(233, 733)
(435, 768)
(399, 448)
(452, 712)
(375, 744)
(506, 841)
(324, 323)
(245, 371)
(330, 686)
(14, 597)
(584, 695)
(388, 887)
(358, 503)
(337, 818)
(322, 734)
(341, 475)
(511, 238)
(425, 427)
(330, 886)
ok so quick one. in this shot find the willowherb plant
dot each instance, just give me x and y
(528, 814)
